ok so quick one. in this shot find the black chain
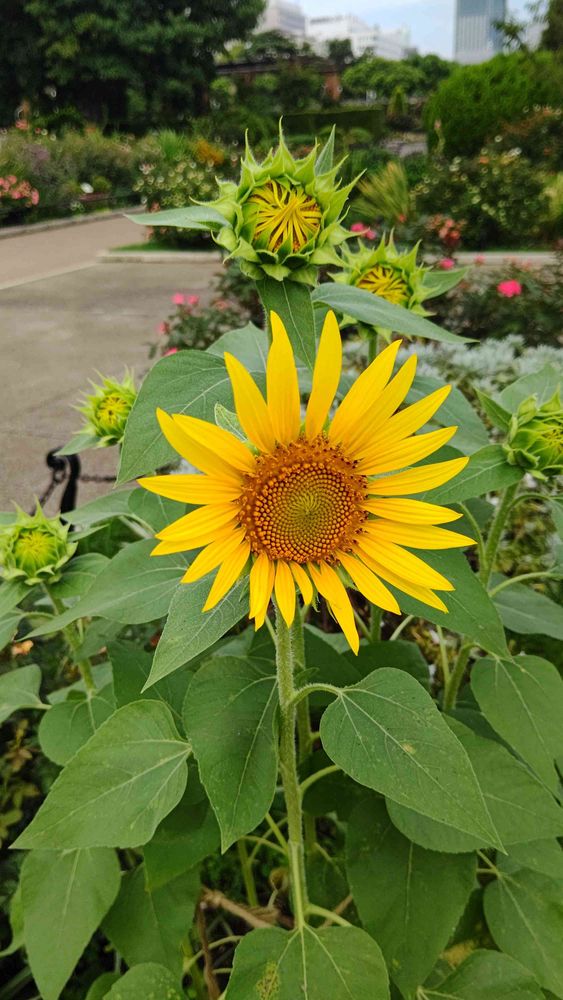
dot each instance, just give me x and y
(67, 469)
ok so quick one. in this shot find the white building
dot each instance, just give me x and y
(476, 38)
(363, 38)
(283, 16)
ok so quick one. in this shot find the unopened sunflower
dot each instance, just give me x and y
(314, 504)
(394, 276)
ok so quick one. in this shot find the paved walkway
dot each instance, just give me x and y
(62, 318)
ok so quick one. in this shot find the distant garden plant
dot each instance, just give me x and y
(306, 749)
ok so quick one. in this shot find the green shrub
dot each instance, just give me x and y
(475, 102)
(539, 135)
(313, 122)
(498, 197)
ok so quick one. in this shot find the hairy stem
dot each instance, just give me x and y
(495, 533)
(248, 877)
(456, 677)
(288, 768)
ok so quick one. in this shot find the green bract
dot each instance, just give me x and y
(107, 409)
(284, 216)
(535, 437)
(34, 548)
(384, 271)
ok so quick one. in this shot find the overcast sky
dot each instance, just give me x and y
(431, 21)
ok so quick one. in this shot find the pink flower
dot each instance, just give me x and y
(192, 300)
(480, 259)
(446, 264)
(163, 328)
(171, 350)
(370, 234)
(179, 299)
(509, 288)
(358, 227)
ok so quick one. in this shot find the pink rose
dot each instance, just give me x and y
(370, 234)
(171, 350)
(480, 259)
(509, 288)
(446, 264)
(179, 299)
(192, 300)
(358, 227)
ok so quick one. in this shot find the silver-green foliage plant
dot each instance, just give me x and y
(389, 819)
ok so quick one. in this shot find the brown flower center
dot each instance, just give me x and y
(303, 503)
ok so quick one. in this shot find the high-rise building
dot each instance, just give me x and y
(283, 16)
(362, 36)
(476, 38)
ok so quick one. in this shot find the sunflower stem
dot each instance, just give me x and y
(248, 877)
(288, 768)
(74, 641)
(454, 681)
(496, 532)
(375, 624)
(304, 733)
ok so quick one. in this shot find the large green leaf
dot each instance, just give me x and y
(11, 593)
(65, 896)
(102, 985)
(118, 787)
(340, 963)
(230, 714)
(470, 609)
(524, 913)
(9, 626)
(486, 470)
(387, 733)
(114, 504)
(375, 311)
(471, 433)
(131, 668)
(486, 975)
(188, 631)
(19, 688)
(250, 344)
(148, 980)
(398, 654)
(157, 512)
(527, 612)
(542, 384)
(191, 217)
(184, 838)
(522, 809)
(148, 925)
(133, 588)
(544, 856)
(187, 382)
(292, 302)
(69, 724)
(409, 899)
(523, 701)
(79, 575)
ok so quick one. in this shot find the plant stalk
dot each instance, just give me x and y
(74, 641)
(495, 533)
(456, 677)
(288, 768)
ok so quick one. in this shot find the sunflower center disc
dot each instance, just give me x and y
(303, 503)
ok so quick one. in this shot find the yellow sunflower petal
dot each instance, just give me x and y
(403, 563)
(282, 385)
(261, 585)
(285, 592)
(427, 477)
(331, 587)
(325, 377)
(418, 536)
(303, 582)
(250, 405)
(413, 449)
(411, 511)
(220, 442)
(423, 594)
(368, 584)
(191, 449)
(204, 519)
(184, 545)
(213, 555)
(362, 394)
(193, 489)
(228, 573)
(412, 418)
(377, 415)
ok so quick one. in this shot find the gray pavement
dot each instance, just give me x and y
(56, 332)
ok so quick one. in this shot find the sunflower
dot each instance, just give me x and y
(315, 504)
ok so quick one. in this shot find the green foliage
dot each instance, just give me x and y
(385, 196)
(476, 102)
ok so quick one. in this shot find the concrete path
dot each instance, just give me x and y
(57, 331)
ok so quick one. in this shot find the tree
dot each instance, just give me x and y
(340, 51)
(552, 37)
(266, 46)
(382, 76)
(20, 63)
(134, 63)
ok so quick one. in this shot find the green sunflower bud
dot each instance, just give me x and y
(107, 409)
(384, 271)
(34, 547)
(284, 215)
(535, 437)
